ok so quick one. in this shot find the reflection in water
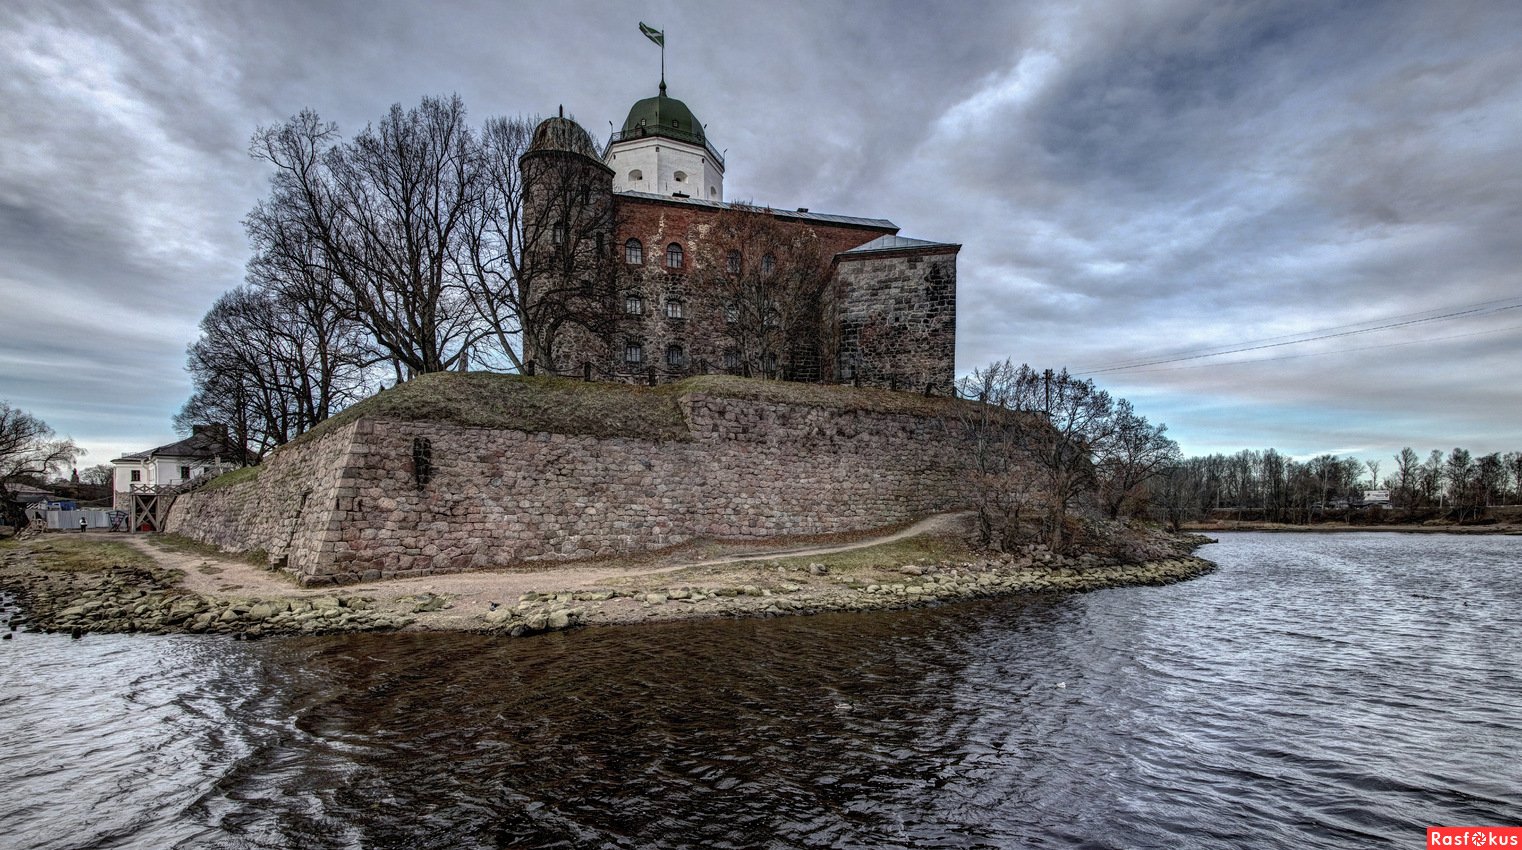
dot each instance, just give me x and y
(1329, 691)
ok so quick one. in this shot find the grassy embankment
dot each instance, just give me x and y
(600, 409)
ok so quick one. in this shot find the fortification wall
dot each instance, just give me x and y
(286, 511)
(750, 469)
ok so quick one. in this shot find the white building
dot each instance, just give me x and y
(205, 452)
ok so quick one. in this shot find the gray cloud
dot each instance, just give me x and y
(1129, 181)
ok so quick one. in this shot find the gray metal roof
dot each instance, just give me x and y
(876, 223)
(897, 243)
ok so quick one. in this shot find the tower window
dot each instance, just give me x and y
(734, 262)
(636, 175)
(634, 305)
(674, 309)
(634, 353)
(675, 356)
(680, 177)
(557, 234)
(673, 256)
(712, 192)
(768, 265)
(731, 313)
(634, 252)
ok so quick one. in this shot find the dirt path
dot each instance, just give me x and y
(472, 593)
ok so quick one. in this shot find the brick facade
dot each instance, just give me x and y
(882, 318)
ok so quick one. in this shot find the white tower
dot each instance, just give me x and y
(663, 150)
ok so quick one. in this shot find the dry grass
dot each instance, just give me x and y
(930, 549)
(236, 476)
(79, 553)
(600, 409)
(518, 402)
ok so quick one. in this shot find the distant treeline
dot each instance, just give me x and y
(1270, 486)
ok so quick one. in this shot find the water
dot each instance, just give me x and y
(1329, 691)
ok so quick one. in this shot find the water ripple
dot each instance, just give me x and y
(1339, 691)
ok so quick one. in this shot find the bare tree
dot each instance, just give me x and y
(98, 475)
(268, 368)
(1459, 472)
(1407, 472)
(767, 281)
(1137, 451)
(29, 452)
(1077, 421)
(386, 214)
(1003, 486)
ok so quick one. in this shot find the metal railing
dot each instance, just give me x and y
(654, 130)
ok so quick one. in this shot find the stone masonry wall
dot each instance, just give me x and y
(751, 469)
(896, 317)
(286, 511)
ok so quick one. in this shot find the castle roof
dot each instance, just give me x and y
(563, 134)
(205, 442)
(894, 242)
(800, 215)
(664, 116)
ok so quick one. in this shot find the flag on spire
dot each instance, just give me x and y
(655, 35)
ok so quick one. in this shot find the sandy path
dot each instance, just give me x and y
(473, 592)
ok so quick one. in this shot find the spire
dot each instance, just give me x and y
(663, 85)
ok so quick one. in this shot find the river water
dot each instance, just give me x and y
(1327, 691)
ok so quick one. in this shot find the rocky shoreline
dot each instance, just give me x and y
(135, 599)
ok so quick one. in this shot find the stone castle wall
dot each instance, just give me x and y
(896, 317)
(348, 506)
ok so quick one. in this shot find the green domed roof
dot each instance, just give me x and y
(664, 116)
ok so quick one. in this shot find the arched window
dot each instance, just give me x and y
(634, 252)
(768, 265)
(636, 175)
(673, 256)
(680, 177)
(634, 353)
(675, 356)
(634, 304)
(731, 313)
(713, 192)
(674, 309)
(557, 234)
(734, 262)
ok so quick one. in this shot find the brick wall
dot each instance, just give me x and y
(702, 332)
(347, 506)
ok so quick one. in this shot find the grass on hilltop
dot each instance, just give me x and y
(601, 409)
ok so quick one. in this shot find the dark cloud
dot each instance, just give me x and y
(1130, 181)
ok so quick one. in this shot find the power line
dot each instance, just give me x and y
(1477, 310)
(1294, 337)
(1329, 353)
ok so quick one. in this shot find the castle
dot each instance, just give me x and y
(689, 284)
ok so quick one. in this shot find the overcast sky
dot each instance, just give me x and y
(1134, 183)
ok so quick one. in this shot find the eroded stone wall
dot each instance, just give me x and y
(494, 497)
